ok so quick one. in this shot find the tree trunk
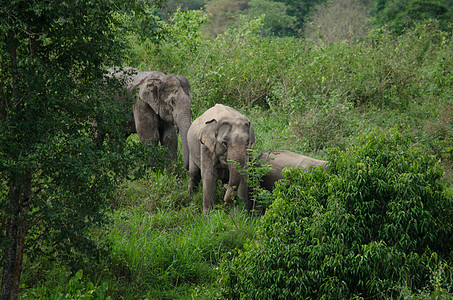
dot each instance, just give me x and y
(18, 200)
(9, 256)
(22, 227)
(16, 229)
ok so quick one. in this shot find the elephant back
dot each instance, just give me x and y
(141, 77)
(221, 112)
(128, 74)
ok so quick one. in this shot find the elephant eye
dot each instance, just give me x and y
(225, 144)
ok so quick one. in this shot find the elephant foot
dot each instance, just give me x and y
(251, 206)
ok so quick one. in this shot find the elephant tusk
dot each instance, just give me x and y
(228, 194)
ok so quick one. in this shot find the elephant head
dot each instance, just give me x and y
(169, 97)
(228, 137)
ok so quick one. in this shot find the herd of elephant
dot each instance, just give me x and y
(215, 145)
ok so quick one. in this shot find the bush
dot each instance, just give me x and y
(400, 15)
(437, 135)
(240, 68)
(75, 289)
(378, 217)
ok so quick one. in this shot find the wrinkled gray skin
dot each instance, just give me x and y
(161, 109)
(218, 143)
(284, 159)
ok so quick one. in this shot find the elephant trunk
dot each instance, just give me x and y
(183, 123)
(235, 166)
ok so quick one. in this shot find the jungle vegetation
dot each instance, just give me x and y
(367, 85)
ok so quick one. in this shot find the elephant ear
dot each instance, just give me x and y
(184, 83)
(148, 89)
(252, 136)
(208, 134)
(149, 92)
(168, 90)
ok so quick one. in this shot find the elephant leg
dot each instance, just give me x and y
(209, 177)
(169, 139)
(194, 176)
(146, 123)
(209, 189)
(243, 193)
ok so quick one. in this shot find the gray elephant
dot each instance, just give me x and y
(284, 159)
(161, 109)
(125, 76)
(218, 142)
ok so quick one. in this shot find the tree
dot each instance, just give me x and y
(223, 13)
(337, 21)
(173, 5)
(399, 15)
(300, 10)
(56, 178)
(276, 20)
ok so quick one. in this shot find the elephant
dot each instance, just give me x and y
(218, 145)
(125, 76)
(284, 159)
(161, 108)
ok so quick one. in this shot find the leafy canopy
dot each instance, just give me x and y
(52, 59)
(399, 15)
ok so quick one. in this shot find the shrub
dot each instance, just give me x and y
(75, 289)
(437, 135)
(377, 217)
(238, 68)
(288, 75)
(400, 15)
(324, 128)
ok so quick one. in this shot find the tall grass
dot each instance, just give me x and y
(167, 252)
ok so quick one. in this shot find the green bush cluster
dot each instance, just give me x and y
(399, 15)
(76, 288)
(376, 219)
(241, 68)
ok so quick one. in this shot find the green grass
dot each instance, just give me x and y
(166, 252)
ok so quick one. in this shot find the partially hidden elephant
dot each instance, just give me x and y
(161, 108)
(218, 144)
(281, 159)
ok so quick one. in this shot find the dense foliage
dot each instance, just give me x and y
(376, 219)
(308, 17)
(399, 15)
(375, 223)
(318, 88)
(56, 173)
